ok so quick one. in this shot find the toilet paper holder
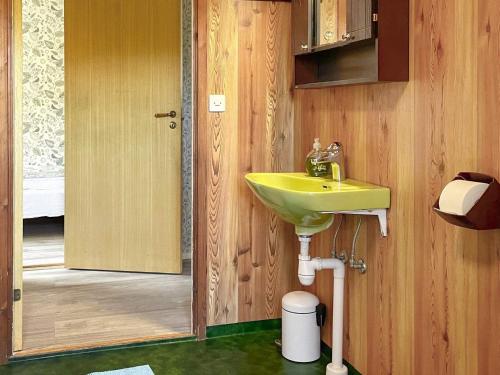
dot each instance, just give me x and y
(485, 214)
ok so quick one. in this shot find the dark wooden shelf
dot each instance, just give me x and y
(345, 82)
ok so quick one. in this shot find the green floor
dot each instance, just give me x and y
(252, 353)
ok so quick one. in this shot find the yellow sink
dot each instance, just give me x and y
(309, 202)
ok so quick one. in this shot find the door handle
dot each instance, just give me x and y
(172, 114)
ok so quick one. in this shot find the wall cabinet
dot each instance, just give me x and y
(339, 42)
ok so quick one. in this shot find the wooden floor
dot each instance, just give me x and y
(43, 244)
(75, 307)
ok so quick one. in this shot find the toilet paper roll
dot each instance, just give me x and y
(459, 196)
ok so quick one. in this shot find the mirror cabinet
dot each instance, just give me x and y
(328, 23)
(339, 42)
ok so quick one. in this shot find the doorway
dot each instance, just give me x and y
(108, 265)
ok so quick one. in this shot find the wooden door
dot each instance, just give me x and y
(123, 165)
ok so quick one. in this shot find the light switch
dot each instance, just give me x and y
(217, 103)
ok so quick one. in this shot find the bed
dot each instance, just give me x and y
(43, 197)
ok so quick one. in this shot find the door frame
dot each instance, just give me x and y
(199, 22)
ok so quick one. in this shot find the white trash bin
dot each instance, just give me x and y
(302, 317)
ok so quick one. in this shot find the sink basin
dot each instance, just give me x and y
(309, 202)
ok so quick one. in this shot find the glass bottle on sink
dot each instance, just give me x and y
(314, 168)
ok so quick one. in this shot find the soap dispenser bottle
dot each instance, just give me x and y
(314, 168)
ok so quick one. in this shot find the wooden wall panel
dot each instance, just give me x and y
(488, 140)
(429, 302)
(249, 250)
(264, 123)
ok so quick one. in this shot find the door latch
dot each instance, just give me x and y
(16, 296)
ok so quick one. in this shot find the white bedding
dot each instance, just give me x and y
(43, 197)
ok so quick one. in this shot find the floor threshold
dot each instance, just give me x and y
(63, 350)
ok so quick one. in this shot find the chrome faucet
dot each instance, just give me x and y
(334, 155)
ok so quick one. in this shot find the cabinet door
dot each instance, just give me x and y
(302, 26)
(359, 20)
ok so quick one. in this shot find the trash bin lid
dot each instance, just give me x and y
(300, 302)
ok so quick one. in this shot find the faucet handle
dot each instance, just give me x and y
(335, 146)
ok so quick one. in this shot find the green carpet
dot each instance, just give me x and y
(252, 354)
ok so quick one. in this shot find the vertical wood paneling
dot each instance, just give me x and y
(431, 298)
(200, 139)
(264, 118)
(488, 272)
(462, 110)
(428, 303)
(404, 236)
(222, 78)
(248, 248)
(248, 257)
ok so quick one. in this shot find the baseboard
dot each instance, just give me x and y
(24, 356)
(242, 328)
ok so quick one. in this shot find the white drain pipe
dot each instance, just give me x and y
(307, 272)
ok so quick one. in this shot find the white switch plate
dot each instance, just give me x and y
(217, 103)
